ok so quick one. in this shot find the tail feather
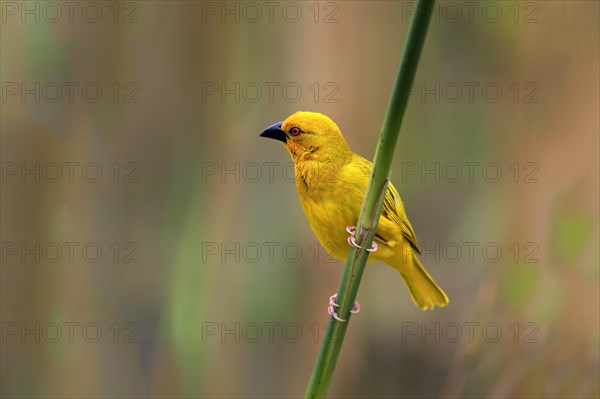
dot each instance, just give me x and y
(425, 293)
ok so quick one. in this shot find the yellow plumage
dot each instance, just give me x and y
(331, 182)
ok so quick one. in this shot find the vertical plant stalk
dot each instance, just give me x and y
(373, 201)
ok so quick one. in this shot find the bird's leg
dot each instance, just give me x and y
(333, 305)
(352, 239)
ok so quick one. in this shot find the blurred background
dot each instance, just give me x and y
(154, 246)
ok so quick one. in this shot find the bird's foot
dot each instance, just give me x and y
(352, 239)
(333, 305)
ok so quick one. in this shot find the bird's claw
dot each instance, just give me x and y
(333, 305)
(352, 239)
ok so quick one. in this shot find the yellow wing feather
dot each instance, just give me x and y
(391, 212)
(393, 209)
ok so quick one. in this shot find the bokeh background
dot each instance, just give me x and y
(154, 246)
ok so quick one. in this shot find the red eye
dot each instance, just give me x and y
(295, 131)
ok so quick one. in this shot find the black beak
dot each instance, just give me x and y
(274, 132)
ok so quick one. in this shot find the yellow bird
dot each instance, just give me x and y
(331, 181)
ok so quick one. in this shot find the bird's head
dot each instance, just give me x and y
(310, 136)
